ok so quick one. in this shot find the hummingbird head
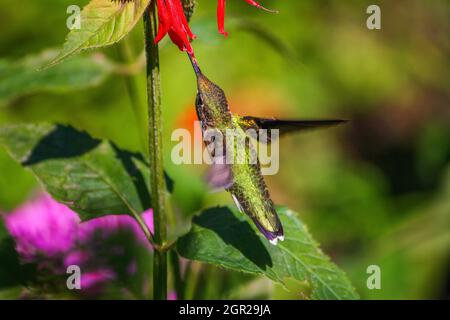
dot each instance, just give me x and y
(211, 101)
(212, 95)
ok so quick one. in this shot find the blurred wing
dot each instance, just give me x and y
(285, 126)
(219, 176)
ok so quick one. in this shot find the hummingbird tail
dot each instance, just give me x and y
(270, 218)
(272, 236)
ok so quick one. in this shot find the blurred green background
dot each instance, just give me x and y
(373, 192)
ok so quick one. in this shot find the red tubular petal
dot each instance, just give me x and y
(163, 21)
(181, 41)
(178, 32)
(221, 17)
(176, 24)
(172, 21)
(256, 4)
(176, 40)
(184, 22)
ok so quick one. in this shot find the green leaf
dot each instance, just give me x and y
(91, 176)
(225, 238)
(18, 78)
(103, 23)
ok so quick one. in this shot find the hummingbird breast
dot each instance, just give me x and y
(252, 197)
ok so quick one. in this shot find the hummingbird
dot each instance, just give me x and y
(244, 179)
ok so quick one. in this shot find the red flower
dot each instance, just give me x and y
(172, 21)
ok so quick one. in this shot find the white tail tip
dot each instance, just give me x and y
(274, 241)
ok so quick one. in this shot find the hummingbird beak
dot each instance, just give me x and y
(194, 63)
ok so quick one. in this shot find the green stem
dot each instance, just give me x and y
(177, 277)
(157, 181)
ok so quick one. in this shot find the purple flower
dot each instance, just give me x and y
(172, 296)
(93, 282)
(52, 236)
(42, 228)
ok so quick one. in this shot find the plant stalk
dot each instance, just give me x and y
(177, 276)
(155, 152)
